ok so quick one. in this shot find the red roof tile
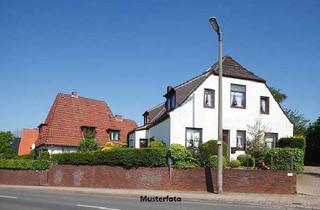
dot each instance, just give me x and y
(68, 114)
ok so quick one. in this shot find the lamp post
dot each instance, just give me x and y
(216, 28)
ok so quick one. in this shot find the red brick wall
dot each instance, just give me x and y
(23, 177)
(234, 180)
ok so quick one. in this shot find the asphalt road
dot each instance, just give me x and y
(34, 199)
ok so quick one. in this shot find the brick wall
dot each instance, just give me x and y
(234, 180)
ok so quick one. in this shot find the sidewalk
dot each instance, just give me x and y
(266, 200)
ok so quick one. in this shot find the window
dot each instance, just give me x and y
(88, 132)
(146, 117)
(271, 139)
(193, 137)
(171, 100)
(131, 143)
(208, 100)
(226, 136)
(238, 96)
(264, 105)
(143, 143)
(114, 135)
(241, 140)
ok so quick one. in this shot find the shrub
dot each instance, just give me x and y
(213, 162)
(88, 145)
(126, 157)
(211, 148)
(292, 142)
(246, 160)
(157, 144)
(109, 145)
(24, 164)
(177, 152)
(44, 155)
(235, 164)
(185, 164)
(256, 145)
(280, 159)
(313, 143)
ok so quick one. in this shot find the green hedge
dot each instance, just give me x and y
(292, 142)
(246, 160)
(280, 159)
(24, 164)
(126, 157)
(213, 162)
(211, 148)
(235, 164)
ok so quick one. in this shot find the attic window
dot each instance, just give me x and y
(171, 101)
(146, 117)
(88, 132)
(264, 105)
(208, 100)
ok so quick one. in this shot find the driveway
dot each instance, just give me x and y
(309, 182)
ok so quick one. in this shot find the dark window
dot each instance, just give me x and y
(144, 143)
(171, 101)
(226, 136)
(193, 137)
(238, 96)
(88, 132)
(241, 140)
(208, 100)
(264, 105)
(114, 135)
(271, 139)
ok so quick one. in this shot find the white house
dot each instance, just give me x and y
(190, 114)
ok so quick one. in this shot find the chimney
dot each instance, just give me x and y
(74, 94)
(118, 117)
(169, 88)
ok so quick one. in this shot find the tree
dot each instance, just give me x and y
(88, 143)
(257, 147)
(277, 94)
(312, 156)
(6, 139)
(299, 122)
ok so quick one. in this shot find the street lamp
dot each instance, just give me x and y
(214, 23)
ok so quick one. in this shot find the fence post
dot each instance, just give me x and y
(291, 162)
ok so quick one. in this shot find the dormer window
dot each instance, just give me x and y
(171, 101)
(88, 132)
(146, 117)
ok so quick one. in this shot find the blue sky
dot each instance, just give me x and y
(127, 52)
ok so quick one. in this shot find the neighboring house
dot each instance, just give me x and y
(189, 114)
(27, 142)
(71, 116)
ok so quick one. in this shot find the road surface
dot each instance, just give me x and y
(35, 199)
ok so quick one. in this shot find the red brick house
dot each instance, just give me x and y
(27, 142)
(71, 115)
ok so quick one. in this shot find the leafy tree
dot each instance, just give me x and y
(88, 143)
(299, 121)
(6, 139)
(313, 143)
(277, 94)
(257, 147)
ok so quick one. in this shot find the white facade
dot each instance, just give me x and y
(192, 114)
(57, 149)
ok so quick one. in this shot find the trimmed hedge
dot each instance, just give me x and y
(246, 160)
(24, 164)
(211, 148)
(235, 164)
(213, 162)
(125, 157)
(280, 159)
(292, 142)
